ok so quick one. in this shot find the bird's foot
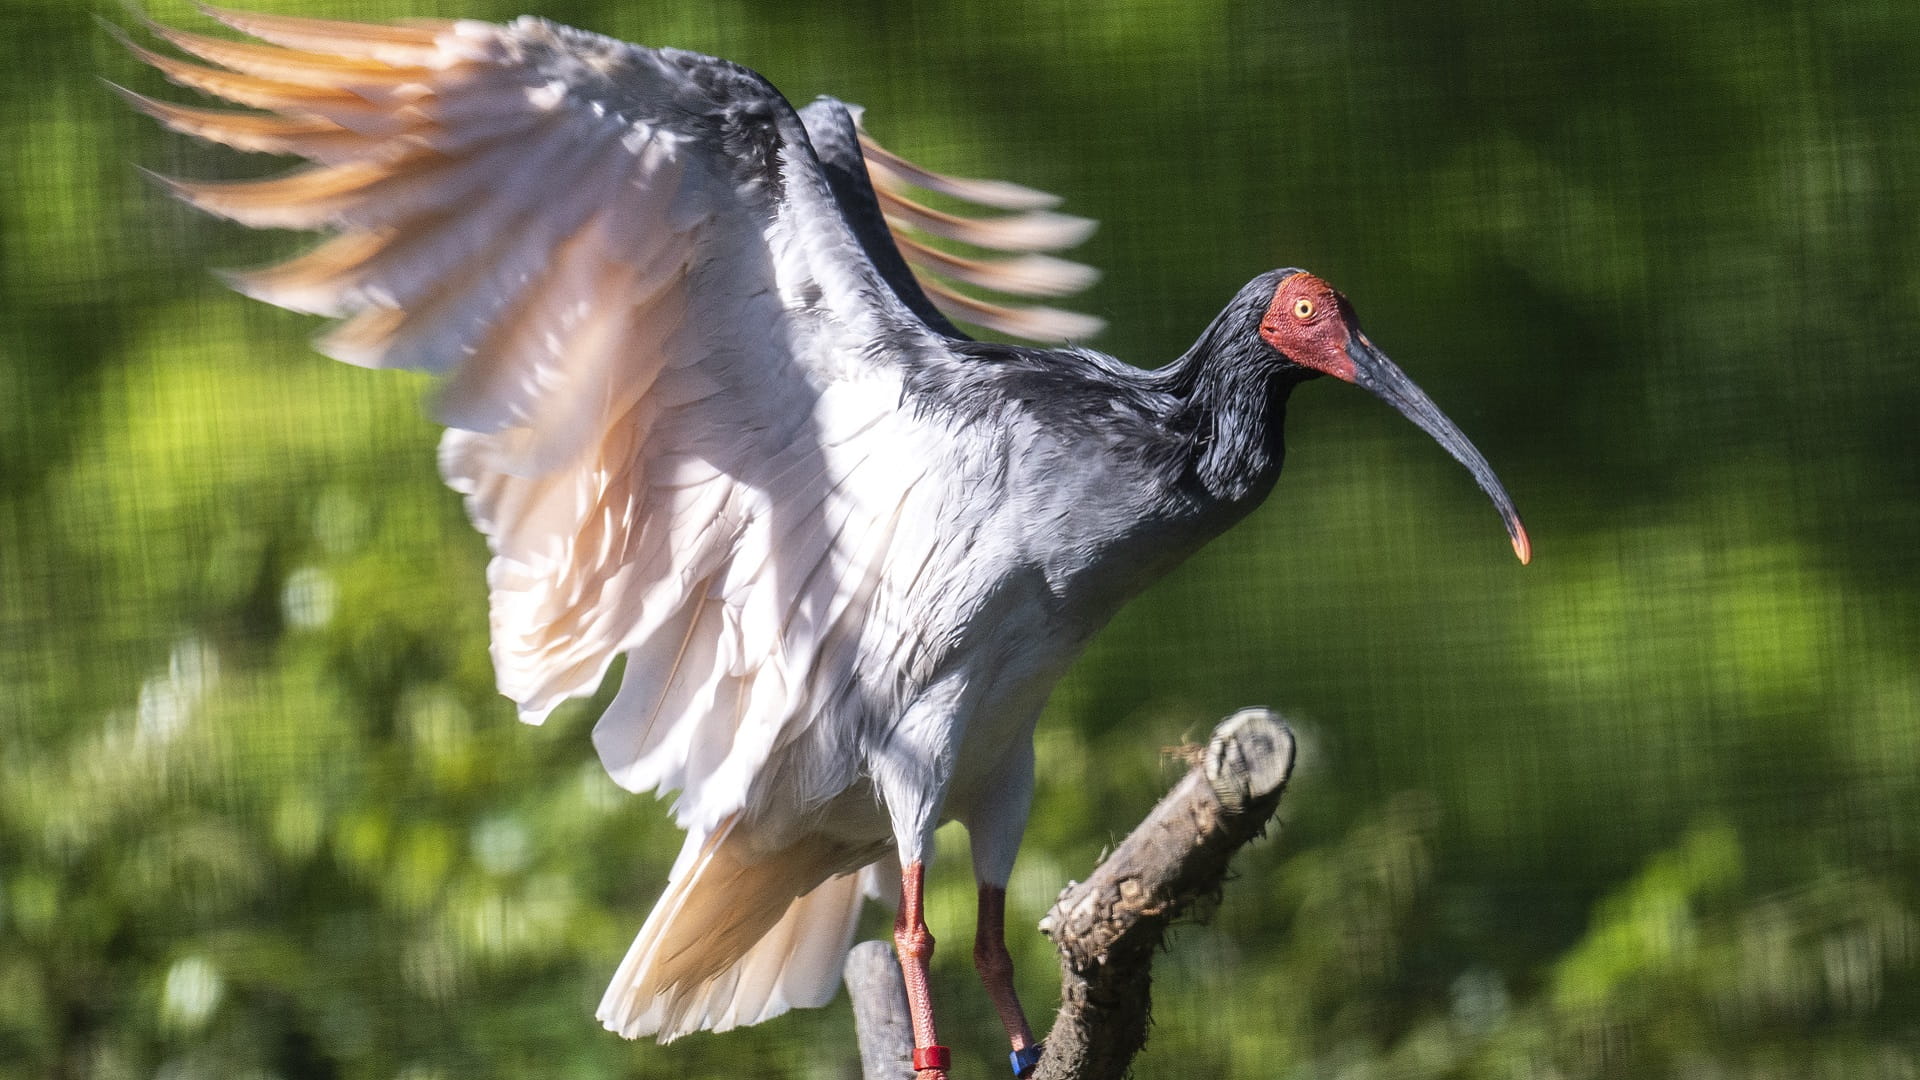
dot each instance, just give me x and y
(1024, 1060)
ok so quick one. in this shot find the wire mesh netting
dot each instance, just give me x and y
(1650, 805)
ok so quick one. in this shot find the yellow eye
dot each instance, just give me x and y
(1303, 308)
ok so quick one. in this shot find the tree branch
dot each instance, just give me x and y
(880, 1022)
(1107, 928)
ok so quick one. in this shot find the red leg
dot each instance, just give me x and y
(995, 966)
(914, 943)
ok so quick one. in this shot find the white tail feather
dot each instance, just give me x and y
(740, 936)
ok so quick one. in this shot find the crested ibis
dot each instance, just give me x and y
(704, 401)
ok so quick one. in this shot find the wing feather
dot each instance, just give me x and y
(1016, 240)
(895, 171)
(1034, 230)
(417, 42)
(310, 137)
(290, 65)
(1036, 322)
(1025, 275)
(340, 106)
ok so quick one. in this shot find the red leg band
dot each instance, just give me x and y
(931, 1057)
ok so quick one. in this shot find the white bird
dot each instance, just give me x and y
(709, 420)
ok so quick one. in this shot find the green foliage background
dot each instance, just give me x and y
(1648, 807)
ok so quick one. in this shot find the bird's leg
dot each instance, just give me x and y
(914, 942)
(991, 960)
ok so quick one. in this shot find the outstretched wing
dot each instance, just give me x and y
(673, 376)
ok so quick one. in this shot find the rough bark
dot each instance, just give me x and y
(1107, 928)
(880, 1021)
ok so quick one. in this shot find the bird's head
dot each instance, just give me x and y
(1313, 327)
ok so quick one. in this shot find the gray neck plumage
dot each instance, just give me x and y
(1233, 390)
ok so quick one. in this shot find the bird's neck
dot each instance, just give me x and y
(1233, 391)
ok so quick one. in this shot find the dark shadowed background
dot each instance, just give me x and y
(1650, 806)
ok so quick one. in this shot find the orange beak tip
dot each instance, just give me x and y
(1522, 547)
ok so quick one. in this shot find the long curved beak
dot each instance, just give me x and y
(1372, 370)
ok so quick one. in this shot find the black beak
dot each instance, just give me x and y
(1374, 371)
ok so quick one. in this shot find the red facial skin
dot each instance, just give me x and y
(1311, 325)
